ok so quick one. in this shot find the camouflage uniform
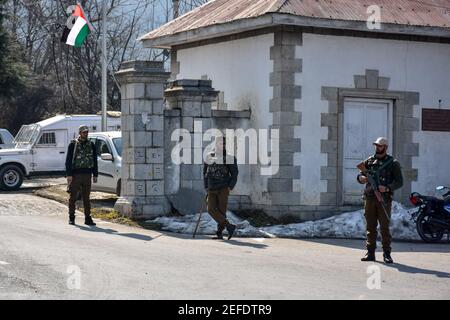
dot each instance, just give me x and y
(391, 177)
(220, 176)
(81, 166)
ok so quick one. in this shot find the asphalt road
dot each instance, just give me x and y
(42, 257)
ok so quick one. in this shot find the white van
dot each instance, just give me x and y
(40, 149)
(6, 139)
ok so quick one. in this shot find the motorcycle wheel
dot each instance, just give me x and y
(427, 232)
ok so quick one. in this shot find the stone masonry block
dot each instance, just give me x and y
(158, 171)
(191, 172)
(140, 106)
(372, 79)
(329, 93)
(153, 122)
(328, 146)
(155, 155)
(206, 110)
(328, 199)
(140, 139)
(158, 139)
(191, 109)
(154, 90)
(141, 171)
(383, 83)
(136, 155)
(360, 82)
(280, 185)
(158, 107)
(187, 123)
(135, 90)
(285, 198)
(329, 120)
(328, 173)
(155, 188)
(290, 145)
(287, 118)
(134, 188)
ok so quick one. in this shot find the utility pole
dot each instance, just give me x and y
(176, 8)
(104, 70)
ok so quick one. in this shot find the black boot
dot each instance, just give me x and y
(231, 228)
(387, 256)
(89, 222)
(72, 220)
(219, 235)
(370, 255)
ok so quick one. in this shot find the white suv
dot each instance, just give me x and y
(109, 157)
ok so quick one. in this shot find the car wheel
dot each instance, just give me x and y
(11, 177)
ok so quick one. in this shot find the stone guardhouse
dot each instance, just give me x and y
(331, 76)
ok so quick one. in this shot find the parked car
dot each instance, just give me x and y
(6, 139)
(109, 157)
(40, 148)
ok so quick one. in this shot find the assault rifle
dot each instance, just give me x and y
(373, 183)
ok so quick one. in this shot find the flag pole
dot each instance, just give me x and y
(104, 70)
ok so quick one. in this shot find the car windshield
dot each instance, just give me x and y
(27, 135)
(118, 145)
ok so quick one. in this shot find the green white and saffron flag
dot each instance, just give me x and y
(76, 35)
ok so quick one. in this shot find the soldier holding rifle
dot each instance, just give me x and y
(382, 175)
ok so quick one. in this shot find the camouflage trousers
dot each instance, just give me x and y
(81, 183)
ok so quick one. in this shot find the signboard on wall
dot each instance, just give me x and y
(435, 120)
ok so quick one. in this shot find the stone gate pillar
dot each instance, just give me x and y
(142, 184)
(188, 107)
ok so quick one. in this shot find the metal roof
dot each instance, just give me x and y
(420, 13)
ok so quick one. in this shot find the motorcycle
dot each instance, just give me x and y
(433, 215)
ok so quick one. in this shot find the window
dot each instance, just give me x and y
(118, 144)
(102, 147)
(47, 138)
(1, 139)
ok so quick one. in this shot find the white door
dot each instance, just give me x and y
(49, 153)
(364, 121)
(106, 169)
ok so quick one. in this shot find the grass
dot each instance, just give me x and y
(102, 209)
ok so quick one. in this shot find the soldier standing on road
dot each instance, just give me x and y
(220, 172)
(389, 176)
(81, 167)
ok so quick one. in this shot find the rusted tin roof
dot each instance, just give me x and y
(425, 13)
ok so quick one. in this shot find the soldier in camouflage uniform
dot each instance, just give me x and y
(220, 172)
(81, 167)
(389, 179)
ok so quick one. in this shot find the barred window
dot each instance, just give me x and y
(48, 138)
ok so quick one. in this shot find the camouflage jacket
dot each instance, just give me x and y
(219, 171)
(389, 176)
(85, 159)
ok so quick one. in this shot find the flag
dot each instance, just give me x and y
(80, 29)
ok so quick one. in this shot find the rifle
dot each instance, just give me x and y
(372, 182)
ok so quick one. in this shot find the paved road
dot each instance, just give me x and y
(41, 257)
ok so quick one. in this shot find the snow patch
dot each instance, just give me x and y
(346, 225)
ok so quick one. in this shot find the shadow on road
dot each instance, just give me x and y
(397, 246)
(115, 232)
(414, 270)
(246, 244)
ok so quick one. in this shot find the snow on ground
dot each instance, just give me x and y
(346, 225)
